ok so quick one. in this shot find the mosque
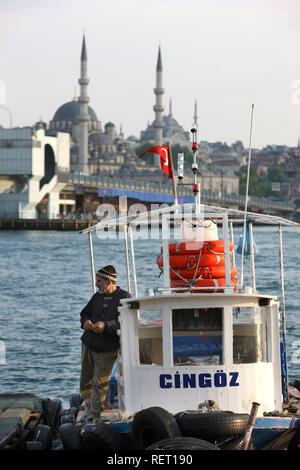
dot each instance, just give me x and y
(95, 150)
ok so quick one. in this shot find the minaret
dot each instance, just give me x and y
(195, 124)
(84, 115)
(121, 135)
(170, 117)
(158, 108)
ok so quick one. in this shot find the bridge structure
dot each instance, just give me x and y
(154, 192)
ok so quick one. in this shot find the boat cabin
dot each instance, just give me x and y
(197, 338)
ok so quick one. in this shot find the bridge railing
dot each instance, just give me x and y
(165, 188)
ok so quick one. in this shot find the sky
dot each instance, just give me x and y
(227, 54)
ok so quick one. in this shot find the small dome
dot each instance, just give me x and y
(71, 112)
(109, 124)
(133, 138)
(225, 151)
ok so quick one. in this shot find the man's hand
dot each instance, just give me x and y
(99, 327)
(88, 325)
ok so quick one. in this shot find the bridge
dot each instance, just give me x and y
(153, 192)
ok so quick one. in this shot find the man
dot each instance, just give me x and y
(100, 341)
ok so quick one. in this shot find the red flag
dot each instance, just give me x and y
(165, 158)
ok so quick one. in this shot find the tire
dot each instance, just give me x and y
(43, 435)
(101, 436)
(67, 418)
(236, 444)
(152, 425)
(70, 437)
(294, 443)
(75, 401)
(34, 445)
(182, 443)
(212, 425)
(52, 412)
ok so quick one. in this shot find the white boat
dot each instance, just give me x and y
(206, 341)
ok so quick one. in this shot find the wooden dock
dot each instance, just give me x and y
(45, 224)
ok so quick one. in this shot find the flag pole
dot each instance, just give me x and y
(173, 175)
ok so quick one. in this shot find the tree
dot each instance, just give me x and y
(258, 185)
(144, 146)
(275, 174)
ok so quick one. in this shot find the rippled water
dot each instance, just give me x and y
(45, 282)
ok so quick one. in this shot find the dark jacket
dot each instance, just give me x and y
(103, 307)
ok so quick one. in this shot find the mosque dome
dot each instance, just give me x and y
(109, 124)
(226, 152)
(70, 111)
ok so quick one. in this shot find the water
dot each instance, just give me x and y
(45, 282)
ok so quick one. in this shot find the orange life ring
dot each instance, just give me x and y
(217, 284)
(191, 248)
(204, 272)
(191, 261)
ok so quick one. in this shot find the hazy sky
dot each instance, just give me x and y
(226, 53)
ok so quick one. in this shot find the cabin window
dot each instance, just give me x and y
(197, 336)
(150, 337)
(249, 335)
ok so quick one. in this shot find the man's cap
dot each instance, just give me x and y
(108, 272)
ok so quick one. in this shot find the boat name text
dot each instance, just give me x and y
(205, 380)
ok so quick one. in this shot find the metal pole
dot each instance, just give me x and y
(92, 261)
(195, 169)
(252, 264)
(135, 291)
(232, 240)
(127, 257)
(226, 253)
(246, 197)
(284, 366)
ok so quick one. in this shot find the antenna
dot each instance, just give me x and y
(246, 197)
(195, 169)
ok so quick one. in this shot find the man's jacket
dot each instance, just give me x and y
(103, 307)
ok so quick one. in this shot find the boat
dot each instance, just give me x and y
(202, 356)
(202, 363)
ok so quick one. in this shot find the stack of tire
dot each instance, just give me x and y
(156, 429)
(44, 433)
(94, 435)
(199, 264)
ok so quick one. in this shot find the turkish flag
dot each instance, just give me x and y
(165, 158)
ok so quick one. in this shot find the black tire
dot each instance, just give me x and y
(75, 401)
(34, 445)
(101, 436)
(70, 437)
(43, 434)
(294, 443)
(152, 425)
(212, 425)
(183, 443)
(52, 411)
(68, 417)
(236, 444)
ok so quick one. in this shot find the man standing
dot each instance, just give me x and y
(100, 341)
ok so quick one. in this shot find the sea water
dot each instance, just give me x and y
(45, 282)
